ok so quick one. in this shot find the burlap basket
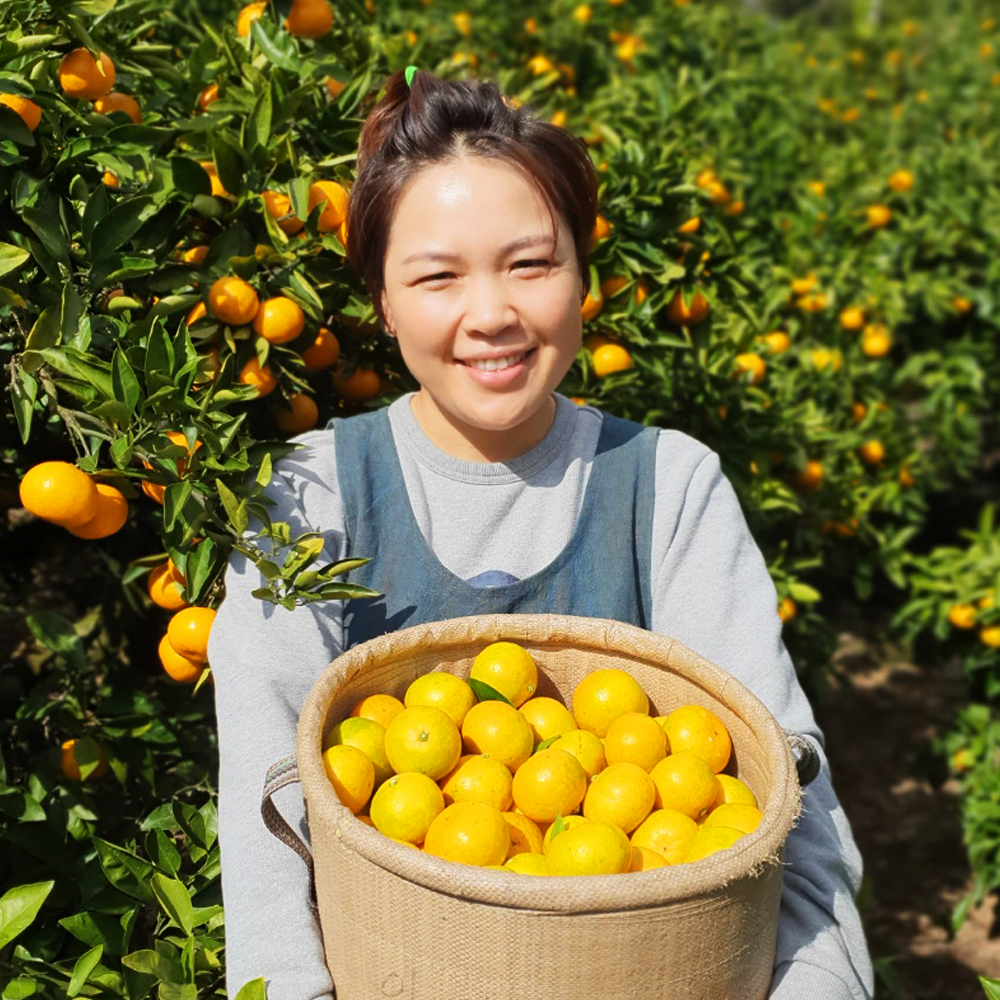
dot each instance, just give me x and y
(400, 923)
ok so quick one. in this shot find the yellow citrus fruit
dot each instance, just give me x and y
(279, 207)
(731, 790)
(802, 286)
(787, 609)
(603, 695)
(684, 782)
(248, 15)
(323, 351)
(508, 668)
(116, 101)
(878, 216)
(636, 738)
(990, 636)
(872, 452)
(80, 754)
(423, 739)
(986, 601)
(470, 833)
(687, 313)
(702, 732)
(80, 76)
(351, 773)
(738, 815)
(442, 690)
(233, 301)
(645, 860)
(478, 779)
(208, 96)
(811, 477)
(622, 794)
(278, 320)
(31, 113)
(709, 840)
(111, 514)
(334, 87)
(568, 823)
(592, 848)
(691, 226)
(611, 358)
(195, 255)
(296, 414)
(180, 668)
(602, 228)
(309, 18)
(213, 175)
(667, 832)
(548, 784)
(527, 863)
(494, 728)
(751, 367)
(547, 718)
(380, 708)
(335, 210)
(901, 180)
(261, 378)
(405, 805)
(166, 586)
(586, 748)
(188, 632)
(525, 834)
(368, 737)
(777, 342)
(852, 319)
(59, 492)
(591, 307)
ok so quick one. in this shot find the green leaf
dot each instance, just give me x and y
(56, 633)
(85, 965)
(190, 177)
(11, 258)
(45, 332)
(150, 963)
(991, 987)
(74, 364)
(175, 900)
(124, 870)
(264, 473)
(20, 988)
(258, 126)
(19, 907)
(282, 50)
(253, 990)
(803, 592)
(177, 991)
(47, 228)
(484, 692)
(125, 384)
(163, 852)
(24, 392)
(558, 826)
(119, 226)
(235, 509)
(175, 496)
(545, 744)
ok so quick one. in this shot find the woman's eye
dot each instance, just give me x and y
(532, 263)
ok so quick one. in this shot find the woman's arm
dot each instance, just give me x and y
(265, 660)
(712, 591)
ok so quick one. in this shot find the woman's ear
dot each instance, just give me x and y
(387, 313)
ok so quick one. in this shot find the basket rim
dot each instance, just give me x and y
(753, 855)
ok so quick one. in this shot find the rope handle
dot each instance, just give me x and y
(805, 755)
(285, 772)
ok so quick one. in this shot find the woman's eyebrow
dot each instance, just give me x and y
(519, 244)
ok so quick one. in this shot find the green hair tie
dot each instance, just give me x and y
(410, 70)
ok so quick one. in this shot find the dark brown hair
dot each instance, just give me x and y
(434, 121)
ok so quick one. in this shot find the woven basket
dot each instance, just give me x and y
(400, 923)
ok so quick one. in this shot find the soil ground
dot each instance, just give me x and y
(879, 715)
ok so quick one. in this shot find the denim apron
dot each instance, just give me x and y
(603, 571)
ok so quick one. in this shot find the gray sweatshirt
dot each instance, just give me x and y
(489, 522)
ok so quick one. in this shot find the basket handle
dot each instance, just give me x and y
(807, 762)
(280, 774)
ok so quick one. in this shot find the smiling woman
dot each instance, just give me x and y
(489, 492)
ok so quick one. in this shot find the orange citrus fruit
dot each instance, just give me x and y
(208, 96)
(470, 833)
(550, 783)
(872, 452)
(213, 175)
(587, 748)
(80, 76)
(507, 668)
(645, 860)
(335, 210)
(360, 385)
(351, 773)
(83, 753)
(116, 101)
(709, 840)
(442, 690)
(279, 207)
(423, 739)
(610, 358)
(180, 668)
(496, 729)
(111, 514)
(738, 815)
(166, 586)
(751, 367)
(323, 351)
(233, 301)
(732, 790)
(667, 832)
(603, 695)
(380, 708)
(476, 778)
(878, 216)
(636, 738)
(962, 615)
(248, 15)
(622, 794)
(687, 313)
(527, 863)
(852, 319)
(525, 836)
(592, 305)
(297, 413)
(369, 737)
(405, 805)
(262, 379)
(188, 633)
(684, 782)
(592, 848)
(59, 492)
(547, 718)
(702, 732)
(568, 823)
(31, 113)
(309, 18)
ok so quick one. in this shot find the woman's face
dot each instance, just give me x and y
(486, 308)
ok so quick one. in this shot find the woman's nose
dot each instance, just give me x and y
(488, 306)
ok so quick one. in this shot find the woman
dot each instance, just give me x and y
(487, 491)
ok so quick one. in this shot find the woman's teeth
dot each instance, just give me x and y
(496, 364)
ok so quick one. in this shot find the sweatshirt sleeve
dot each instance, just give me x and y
(712, 592)
(264, 660)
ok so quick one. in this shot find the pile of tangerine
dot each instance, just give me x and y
(480, 772)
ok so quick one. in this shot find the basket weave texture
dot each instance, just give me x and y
(400, 923)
